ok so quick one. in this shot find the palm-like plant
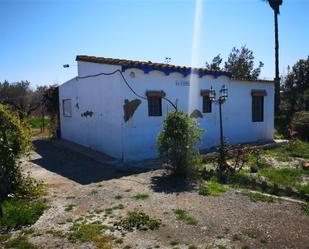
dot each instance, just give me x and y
(275, 5)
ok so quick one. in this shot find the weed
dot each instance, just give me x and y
(305, 208)
(17, 213)
(93, 192)
(140, 196)
(192, 247)
(236, 237)
(21, 242)
(69, 207)
(119, 206)
(183, 215)
(137, 220)
(4, 237)
(119, 241)
(118, 197)
(258, 197)
(56, 233)
(90, 232)
(263, 241)
(174, 243)
(213, 188)
(251, 233)
(245, 247)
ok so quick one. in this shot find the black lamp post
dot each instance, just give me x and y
(222, 98)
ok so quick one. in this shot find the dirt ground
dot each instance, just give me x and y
(72, 178)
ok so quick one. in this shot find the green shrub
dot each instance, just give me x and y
(137, 220)
(300, 123)
(14, 142)
(178, 142)
(17, 213)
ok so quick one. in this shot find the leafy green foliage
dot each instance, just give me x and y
(14, 142)
(137, 220)
(300, 123)
(241, 64)
(184, 216)
(178, 142)
(17, 213)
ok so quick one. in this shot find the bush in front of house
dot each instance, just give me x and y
(178, 142)
(300, 123)
(14, 142)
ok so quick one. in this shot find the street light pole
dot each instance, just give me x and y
(222, 98)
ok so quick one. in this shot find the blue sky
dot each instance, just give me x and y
(38, 37)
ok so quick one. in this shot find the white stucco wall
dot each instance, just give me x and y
(140, 132)
(135, 139)
(99, 95)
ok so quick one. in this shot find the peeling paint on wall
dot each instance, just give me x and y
(196, 114)
(87, 113)
(130, 107)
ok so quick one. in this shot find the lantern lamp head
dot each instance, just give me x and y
(212, 94)
(223, 93)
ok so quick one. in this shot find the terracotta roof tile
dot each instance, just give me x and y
(123, 62)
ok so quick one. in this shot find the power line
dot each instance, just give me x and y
(127, 83)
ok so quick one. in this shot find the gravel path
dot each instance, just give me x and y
(230, 220)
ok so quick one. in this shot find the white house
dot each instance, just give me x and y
(118, 106)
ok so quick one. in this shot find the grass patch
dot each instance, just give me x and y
(18, 213)
(118, 197)
(184, 216)
(258, 197)
(21, 242)
(287, 177)
(69, 207)
(296, 148)
(213, 188)
(142, 196)
(90, 232)
(38, 122)
(137, 220)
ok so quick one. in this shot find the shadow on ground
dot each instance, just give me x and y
(76, 166)
(169, 183)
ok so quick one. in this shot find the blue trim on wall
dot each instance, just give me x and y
(185, 73)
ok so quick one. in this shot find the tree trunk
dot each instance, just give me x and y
(277, 78)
